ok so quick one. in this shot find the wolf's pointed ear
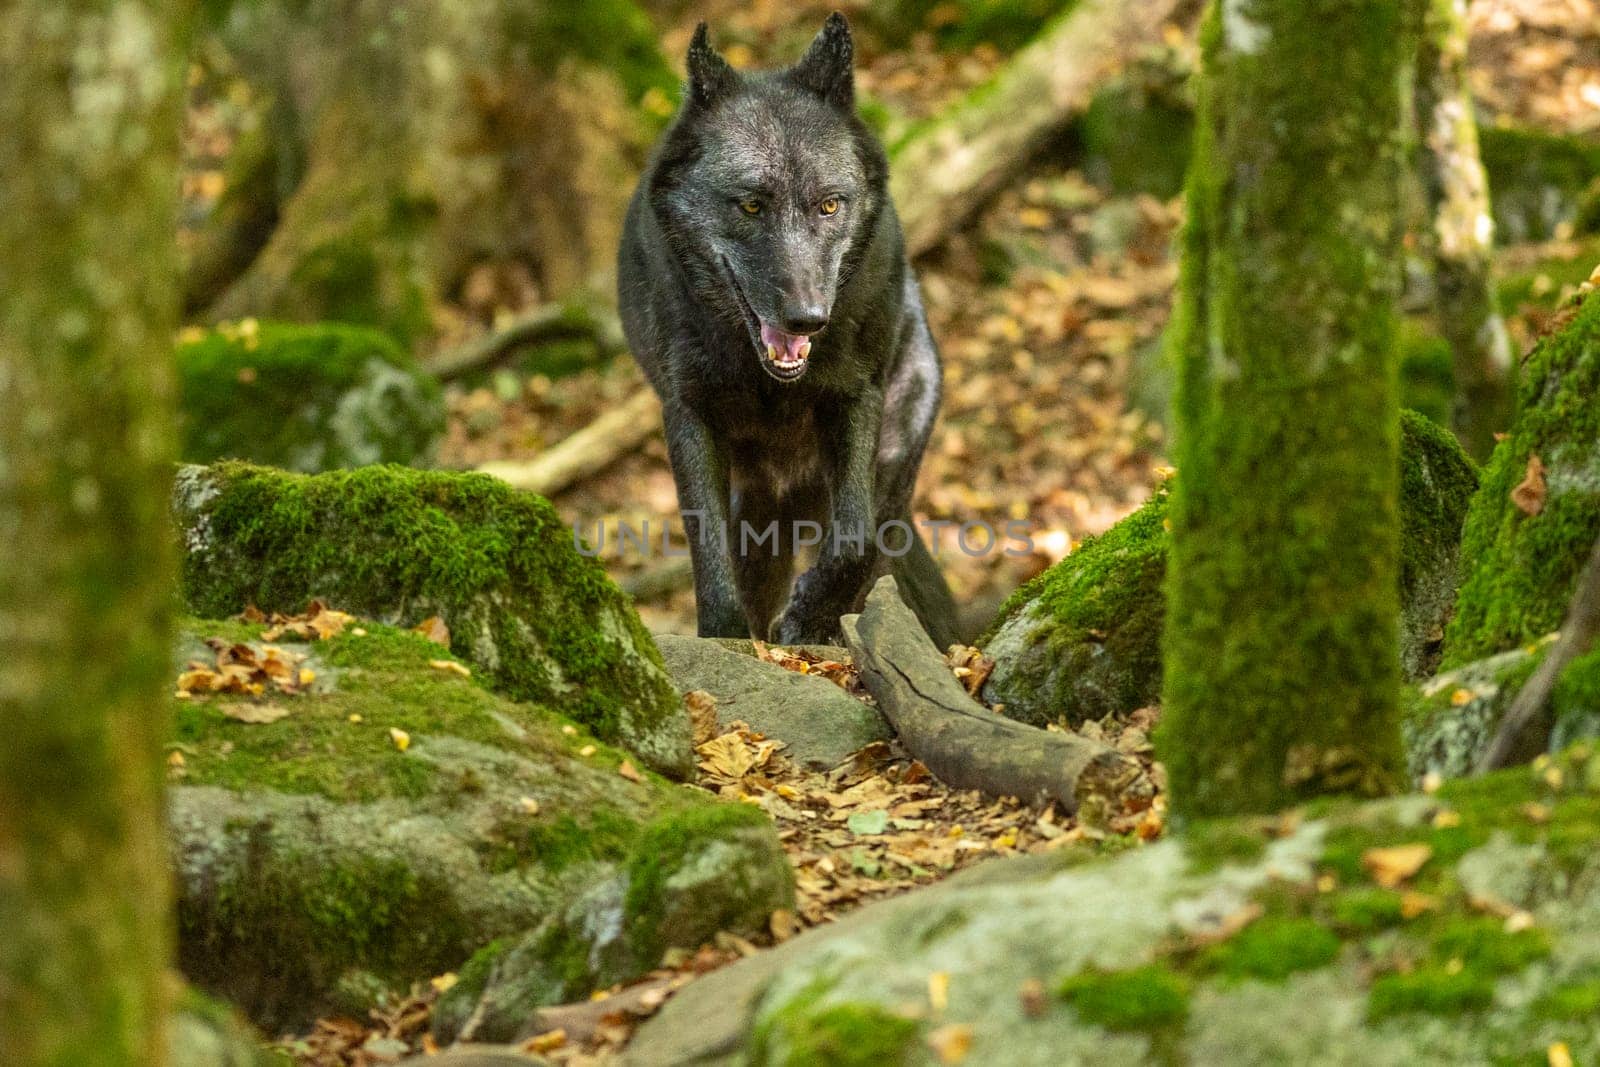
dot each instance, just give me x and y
(825, 69)
(709, 74)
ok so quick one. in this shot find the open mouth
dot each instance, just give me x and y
(783, 355)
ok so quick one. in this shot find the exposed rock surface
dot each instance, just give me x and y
(820, 723)
(1244, 941)
(305, 398)
(398, 816)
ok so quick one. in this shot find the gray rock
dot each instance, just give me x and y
(821, 723)
(1043, 919)
(388, 826)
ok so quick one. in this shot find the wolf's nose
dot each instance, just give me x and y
(803, 317)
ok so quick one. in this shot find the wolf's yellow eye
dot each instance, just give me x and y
(750, 207)
(829, 206)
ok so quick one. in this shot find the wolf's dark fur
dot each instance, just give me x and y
(765, 292)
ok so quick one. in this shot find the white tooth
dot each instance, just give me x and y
(772, 351)
(805, 349)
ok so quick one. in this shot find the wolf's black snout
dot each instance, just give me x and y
(803, 316)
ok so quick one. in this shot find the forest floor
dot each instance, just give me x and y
(1040, 423)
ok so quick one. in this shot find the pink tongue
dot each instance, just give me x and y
(784, 346)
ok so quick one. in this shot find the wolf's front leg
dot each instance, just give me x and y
(700, 470)
(849, 546)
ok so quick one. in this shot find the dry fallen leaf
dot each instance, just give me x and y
(951, 1042)
(1035, 1001)
(1393, 865)
(702, 714)
(939, 991)
(628, 771)
(401, 739)
(1413, 904)
(434, 629)
(1528, 496)
(1558, 1055)
(451, 666)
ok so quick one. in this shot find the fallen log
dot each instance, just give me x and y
(1525, 730)
(944, 174)
(578, 319)
(962, 743)
(592, 449)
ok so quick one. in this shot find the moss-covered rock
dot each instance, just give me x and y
(687, 877)
(305, 398)
(537, 619)
(1537, 180)
(1138, 129)
(204, 1032)
(1083, 639)
(1520, 562)
(1451, 718)
(1487, 954)
(401, 816)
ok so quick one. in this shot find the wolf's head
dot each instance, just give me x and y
(768, 186)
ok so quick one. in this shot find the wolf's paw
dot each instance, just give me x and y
(796, 629)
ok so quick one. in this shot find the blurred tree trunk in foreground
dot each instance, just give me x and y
(426, 138)
(1460, 236)
(89, 116)
(1282, 670)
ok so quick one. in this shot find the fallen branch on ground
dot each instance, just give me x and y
(962, 743)
(593, 448)
(944, 174)
(1525, 730)
(585, 320)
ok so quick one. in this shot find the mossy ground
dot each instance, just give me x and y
(271, 392)
(1521, 568)
(384, 678)
(499, 566)
(811, 1031)
(1536, 179)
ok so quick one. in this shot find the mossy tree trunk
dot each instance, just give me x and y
(439, 136)
(1282, 670)
(89, 94)
(1460, 233)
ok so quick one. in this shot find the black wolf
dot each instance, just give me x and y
(765, 292)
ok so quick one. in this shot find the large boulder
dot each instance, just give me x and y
(1455, 928)
(540, 621)
(819, 723)
(382, 815)
(305, 398)
(1536, 517)
(1451, 718)
(1083, 640)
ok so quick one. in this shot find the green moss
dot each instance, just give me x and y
(349, 279)
(1285, 564)
(1366, 910)
(1577, 1001)
(1435, 990)
(541, 622)
(1105, 610)
(385, 678)
(615, 36)
(1145, 998)
(1213, 843)
(316, 918)
(555, 844)
(1520, 568)
(1483, 944)
(1577, 691)
(1137, 132)
(1272, 948)
(305, 398)
(1550, 280)
(661, 850)
(808, 1033)
(1427, 372)
(1536, 179)
(963, 25)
